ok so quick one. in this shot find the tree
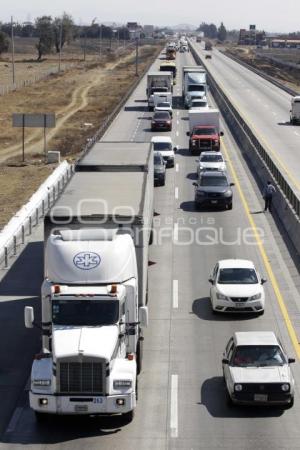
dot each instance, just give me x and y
(63, 30)
(4, 42)
(209, 30)
(45, 33)
(222, 33)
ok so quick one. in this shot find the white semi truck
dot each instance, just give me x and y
(193, 83)
(158, 82)
(94, 294)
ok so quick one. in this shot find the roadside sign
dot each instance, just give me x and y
(33, 121)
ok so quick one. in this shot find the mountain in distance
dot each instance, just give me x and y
(184, 26)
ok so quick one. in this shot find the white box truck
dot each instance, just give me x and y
(295, 110)
(158, 82)
(204, 130)
(94, 295)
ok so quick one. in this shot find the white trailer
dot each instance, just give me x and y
(158, 82)
(204, 117)
(94, 294)
(159, 97)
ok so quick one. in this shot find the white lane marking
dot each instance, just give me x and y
(175, 232)
(177, 122)
(297, 134)
(174, 406)
(176, 193)
(175, 294)
(177, 113)
(177, 167)
(177, 133)
(15, 419)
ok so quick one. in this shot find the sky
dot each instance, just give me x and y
(268, 15)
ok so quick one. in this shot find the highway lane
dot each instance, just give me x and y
(265, 108)
(182, 400)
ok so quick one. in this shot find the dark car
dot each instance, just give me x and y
(159, 169)
(213, 189)
(161, 120)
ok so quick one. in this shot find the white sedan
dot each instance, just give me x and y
(257, 370)
(236, 287)
(211, 161)
(164, 106)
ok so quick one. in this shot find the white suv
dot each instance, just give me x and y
(236, 287)
(211, 161)
(164, 145)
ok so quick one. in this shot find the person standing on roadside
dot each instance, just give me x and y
(269, 190)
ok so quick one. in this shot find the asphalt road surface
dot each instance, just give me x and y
(182, 399)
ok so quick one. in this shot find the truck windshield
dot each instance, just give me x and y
(196, 87)
(159, 89)
(161, 146)
(204, 131)
(85, 312)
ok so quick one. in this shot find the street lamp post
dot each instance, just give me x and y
(136, 56)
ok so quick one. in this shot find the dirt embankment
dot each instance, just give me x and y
(81, 98)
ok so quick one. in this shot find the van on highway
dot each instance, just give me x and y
(295, 110)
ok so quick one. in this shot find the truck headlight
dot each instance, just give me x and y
(119, 384)
(285, 387)
(221, 296)
(238, 387)
(255, 297)
(194, 142)
(41, 382)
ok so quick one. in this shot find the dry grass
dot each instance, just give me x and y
(82, 98)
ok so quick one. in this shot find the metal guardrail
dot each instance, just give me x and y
(29, 216)
(245, 136)
(261, 74)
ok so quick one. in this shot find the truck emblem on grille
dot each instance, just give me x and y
(86, 260)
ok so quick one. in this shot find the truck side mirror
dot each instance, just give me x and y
(28, 316)
(175, 148)
(232, 184)
(195, 184)
(225, 361)
(291, 360)
(211, 280)
(187, 133)
(263, 281)
(221, 133)
(143, 316)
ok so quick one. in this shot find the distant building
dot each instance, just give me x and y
(251, 36)
(134, 29)
(148, 31)
(284, 43)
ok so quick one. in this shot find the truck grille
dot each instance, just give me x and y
(82, 377)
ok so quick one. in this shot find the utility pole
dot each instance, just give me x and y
(60, 43)
(136, 56)
(84, 44)
(13, 50)
(100, 44)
